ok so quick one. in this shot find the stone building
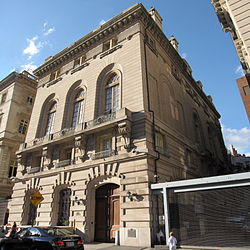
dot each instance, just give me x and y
(17, 93)
(240, 162)
(234, 18)
(115, 111)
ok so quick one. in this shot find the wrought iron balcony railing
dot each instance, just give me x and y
(103, 154)
(69, 131)
(101, 119)
(63, 132)
(63, 163)
(32, 170)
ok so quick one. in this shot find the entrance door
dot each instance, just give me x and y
(107, 212)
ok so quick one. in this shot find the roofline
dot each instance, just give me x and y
(9, 79)
(92, 37)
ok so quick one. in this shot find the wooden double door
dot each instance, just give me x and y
(107, 212)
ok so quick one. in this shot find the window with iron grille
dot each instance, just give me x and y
(64, 207)
(32, 214)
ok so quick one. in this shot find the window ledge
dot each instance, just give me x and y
(110, 51)
(79, 68)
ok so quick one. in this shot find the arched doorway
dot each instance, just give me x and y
(107, 212)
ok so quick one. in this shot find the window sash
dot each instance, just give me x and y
(64, 207)
(77, 113)
(50, 123)
(112, 98)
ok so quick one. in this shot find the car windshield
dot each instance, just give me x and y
(57, 231)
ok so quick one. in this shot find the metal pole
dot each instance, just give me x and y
(166, 212)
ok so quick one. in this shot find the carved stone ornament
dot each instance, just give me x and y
(124, 129)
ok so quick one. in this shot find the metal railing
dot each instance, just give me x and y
(63, 132)
(101, 119)
(63, 163)
(103, 154)
(69, 131)
(32, 170)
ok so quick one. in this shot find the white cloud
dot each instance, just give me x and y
(32, 48)
(45, 24)
(49, 31)
(184, 55)
(239, 71)
(30, 67)
(102, 22)
(239, 138)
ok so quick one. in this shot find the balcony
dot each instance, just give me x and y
(63, 163)
(103, 154)
(63, 132)
(88, 127)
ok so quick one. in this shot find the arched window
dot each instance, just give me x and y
(51, 119)
(112, 93)
(77, 116)
(64, 207)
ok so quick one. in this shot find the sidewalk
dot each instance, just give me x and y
(111, 246)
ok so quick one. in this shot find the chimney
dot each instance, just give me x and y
(156, 16)
(174, 42)
(233, 151)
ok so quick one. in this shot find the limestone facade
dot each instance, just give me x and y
(114, 112)
(17, 94)
(234, 18)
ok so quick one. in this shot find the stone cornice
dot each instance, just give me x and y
(223, 16)
(88, 41)
(16, 77)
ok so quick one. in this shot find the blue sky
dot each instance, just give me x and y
(30, 31)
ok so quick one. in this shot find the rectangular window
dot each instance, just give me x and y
(12, 169)
(159, 141)
(3, 100)
(23, 126)
(29, 99)
(55, 75)
(79, 61)
(246, 90)
(106, 46)
(110, 44)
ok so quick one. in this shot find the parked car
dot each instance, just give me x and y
(40, 238)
